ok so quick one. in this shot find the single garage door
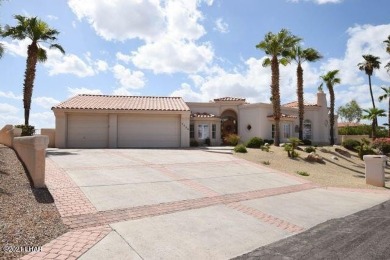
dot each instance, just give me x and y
(148, 130)
(87, 131)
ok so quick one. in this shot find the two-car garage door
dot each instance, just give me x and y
(133, 130)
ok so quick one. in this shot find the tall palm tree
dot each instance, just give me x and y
(373, 114)
(388, 51)
(38, 32)
(330, 80)
(369, 64)
(1, 50)
(386, 95)
(301, 55)
(277, 46)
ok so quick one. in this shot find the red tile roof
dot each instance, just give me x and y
(229, 99)
(295, 104)
(283, 116)
(107, 102)
(204, 115)
(344, 124)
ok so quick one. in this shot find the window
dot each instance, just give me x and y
(286, 131)
(273, 131)
(203, 131)
(307, 130)
(192, 131)
(214, 131)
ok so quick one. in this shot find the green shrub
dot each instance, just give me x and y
(207, 141)
(194, 143)
(351, 144)
(306, 142)
(240, 148)
(266, 163)
(27, 130)
(303, 173)
(362, 130)
(269, 141)
(310, 149)
(255, 142)
(382, 144)
(232, 139)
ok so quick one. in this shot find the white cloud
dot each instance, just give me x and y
(45, 102)
(67, 64)
(123, 57)
(187, 93)
(170, 30)
(101, 65)
(124, 92)
(121, 19)
(221, 26)
(8, 109)
(128, 79)
(10, 94)
(170, 56)
(52, 17)
(15, 47)
(77, 91)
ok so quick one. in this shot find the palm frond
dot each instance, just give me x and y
(42, 55)
(266, 62)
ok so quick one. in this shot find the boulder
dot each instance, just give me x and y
(313, 157)
(343, 152)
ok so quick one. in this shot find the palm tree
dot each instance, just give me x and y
(369, 64)
(38, 32)
(277, 46)
(386, 95)
(373, 114)
(388, 51)
(330, 80)
(1, 50)
(301, 55)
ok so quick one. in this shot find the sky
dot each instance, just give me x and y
(195, 49)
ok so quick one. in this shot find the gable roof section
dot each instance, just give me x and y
(295, 104)
(108, 102)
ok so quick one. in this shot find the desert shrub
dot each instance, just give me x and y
(306, 142)
(266, 163)
(194, 143)
(232, 139)
(303, 173)
(382, 144)
(255, 142)
(310, 149)
(240, 148)
(364, 148)
(351, 144)
(266, 147)
(27, 130)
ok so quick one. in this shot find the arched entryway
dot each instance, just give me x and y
(228, 123)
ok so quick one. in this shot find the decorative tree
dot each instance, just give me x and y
(372, 114)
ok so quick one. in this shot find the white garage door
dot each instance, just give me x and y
(148, 131)
(87, 131)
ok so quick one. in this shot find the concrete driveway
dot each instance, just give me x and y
(182, 204)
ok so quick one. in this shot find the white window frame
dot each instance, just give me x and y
(286, 131)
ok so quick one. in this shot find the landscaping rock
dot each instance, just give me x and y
(313, 157)
(343, 152)
(335, 158)
(324, 150)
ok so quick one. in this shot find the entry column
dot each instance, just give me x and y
(112, 130)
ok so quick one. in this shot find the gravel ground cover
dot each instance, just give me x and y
(344, 171)
(28, 216)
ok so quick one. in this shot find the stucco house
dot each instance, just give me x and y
(103, 121)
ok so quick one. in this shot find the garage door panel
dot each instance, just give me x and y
(148, 131)
(87, 131)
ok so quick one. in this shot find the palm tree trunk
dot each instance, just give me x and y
(331, 116)
(388, 118)
(275, 98)
(29, 77)
(373, 130)
(300, 99)
(372, 99)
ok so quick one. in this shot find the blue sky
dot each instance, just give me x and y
(197, 49)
